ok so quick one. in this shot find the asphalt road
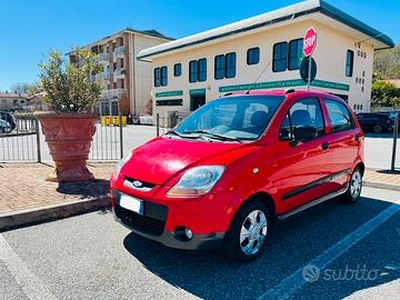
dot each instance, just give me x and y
(332, 251)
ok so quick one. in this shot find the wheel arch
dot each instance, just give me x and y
(262, 197)
(360, 166)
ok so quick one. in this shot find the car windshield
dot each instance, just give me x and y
(237, 118)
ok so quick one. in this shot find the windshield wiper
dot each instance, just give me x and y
(214, 135)
(174, 132)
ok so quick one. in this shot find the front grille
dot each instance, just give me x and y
(138, 185)
(138, 222)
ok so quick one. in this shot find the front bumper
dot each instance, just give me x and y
(151, 225)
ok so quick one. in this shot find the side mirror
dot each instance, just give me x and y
(305, 133)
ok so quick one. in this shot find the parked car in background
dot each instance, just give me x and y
(5, 127)
(7, 118)
(375, 122)
(224, 174)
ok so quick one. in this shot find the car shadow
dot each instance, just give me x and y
(90, 189)
(291, 245)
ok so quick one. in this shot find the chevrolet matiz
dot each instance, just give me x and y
(223, 175)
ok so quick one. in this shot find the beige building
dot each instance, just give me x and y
(12, 101)
(127, 81)
(264, 52)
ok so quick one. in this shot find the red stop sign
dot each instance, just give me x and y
(309, 41)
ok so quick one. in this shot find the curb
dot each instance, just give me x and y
(52, 213)
(381, 185)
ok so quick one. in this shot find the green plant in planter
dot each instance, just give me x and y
(71, 90)
(70, 86)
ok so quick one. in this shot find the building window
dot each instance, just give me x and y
(193, 71)
(161, 76)
(178, 70)
(169, 102)
(225, 66)
(349, 63)
(295, 54)
(198, 70)
(280, 57)
(157, 77)
(219, 67)
(202, 69)
(230, 65)
(164, 76)
(253, 56)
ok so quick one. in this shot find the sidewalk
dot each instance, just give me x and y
(27, 198)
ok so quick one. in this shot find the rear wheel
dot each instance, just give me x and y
(248, 233)
(355, 185)
(377, 128)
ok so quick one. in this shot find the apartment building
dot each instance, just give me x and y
(127, 82)
(265, 52)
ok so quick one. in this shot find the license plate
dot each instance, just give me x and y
(131, 203)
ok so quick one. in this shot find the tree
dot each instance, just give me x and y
(387, 63)
(20, 87)
(384, 94)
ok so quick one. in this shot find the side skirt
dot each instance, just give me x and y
(311, 204)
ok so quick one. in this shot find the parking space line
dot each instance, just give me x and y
(296, 280)
(29, 283)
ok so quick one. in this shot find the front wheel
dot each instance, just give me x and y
(248, 232)
(355, 185)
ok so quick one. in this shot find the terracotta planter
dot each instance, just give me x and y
(69, 136)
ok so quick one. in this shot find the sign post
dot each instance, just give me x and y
(309, 44)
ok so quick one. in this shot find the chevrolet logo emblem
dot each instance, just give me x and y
(137, 184)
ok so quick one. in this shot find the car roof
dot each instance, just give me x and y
(283, 93)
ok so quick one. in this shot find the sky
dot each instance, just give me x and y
(30, 28)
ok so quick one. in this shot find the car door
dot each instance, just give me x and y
(303, 167)
(345, 141)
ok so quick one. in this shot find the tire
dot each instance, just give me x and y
(7, 129)
(377, 128)
(246, 238)
(353, 192)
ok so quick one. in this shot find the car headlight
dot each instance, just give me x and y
(196, 181)
(121, 163)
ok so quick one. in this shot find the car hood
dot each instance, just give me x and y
(159, 160)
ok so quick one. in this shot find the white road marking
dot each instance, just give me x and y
(295, 281)
(30, 284)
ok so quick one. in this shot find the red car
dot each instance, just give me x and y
(237, 164)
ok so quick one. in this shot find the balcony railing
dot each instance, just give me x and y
(103, 76)
(119, 72)
(114, 93)
(103, 57)
(119, 51)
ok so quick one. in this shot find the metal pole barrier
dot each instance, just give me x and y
(309, 72)
(158, 124)
(395, 135)
(39, 153)
(121, 137)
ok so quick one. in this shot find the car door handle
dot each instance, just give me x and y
(325, 146)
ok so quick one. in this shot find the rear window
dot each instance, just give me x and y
(339, 115)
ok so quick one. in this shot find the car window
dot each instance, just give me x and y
(339, 115)
(304, 113)
(239, 117)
